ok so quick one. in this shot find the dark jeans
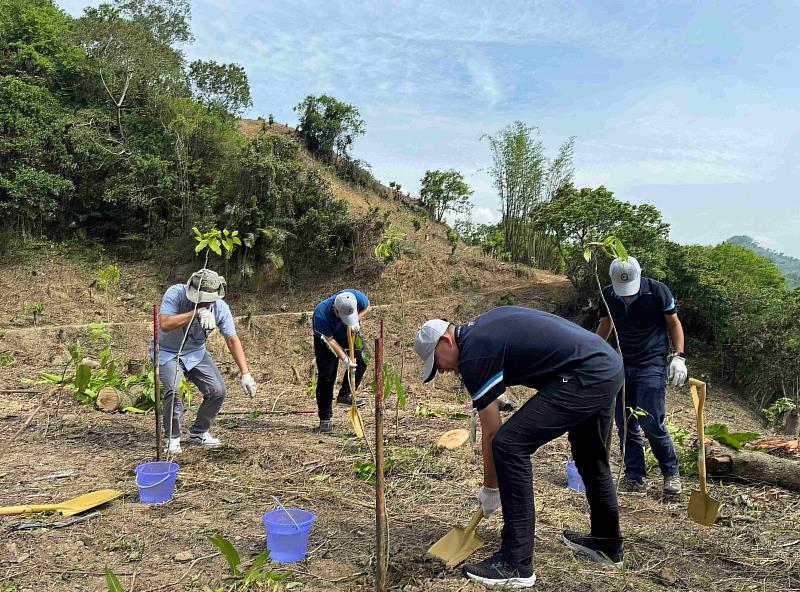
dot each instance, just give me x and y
(560, 407)
(645, 390)
(327, 365)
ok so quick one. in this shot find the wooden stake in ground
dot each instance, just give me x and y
(156, 384)
(381, 519)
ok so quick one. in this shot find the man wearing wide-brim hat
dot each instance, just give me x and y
(188, 315)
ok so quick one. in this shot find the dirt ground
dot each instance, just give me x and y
(269, 451)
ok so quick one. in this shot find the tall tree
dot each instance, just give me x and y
(525, 178)
(221, 86)
(444, 191)
(329, 125)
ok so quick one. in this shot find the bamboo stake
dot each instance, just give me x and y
(156, 384)
(381, 526)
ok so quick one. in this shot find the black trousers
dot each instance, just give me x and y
(558, 408)
(327, 366)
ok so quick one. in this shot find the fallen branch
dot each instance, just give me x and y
(753, 466)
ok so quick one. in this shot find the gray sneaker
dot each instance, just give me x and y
(630, 485)
(325, 426)
(672, 484)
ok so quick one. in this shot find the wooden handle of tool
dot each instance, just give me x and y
(473, 522)
(351, 375)
(13, 510)
(699, 399)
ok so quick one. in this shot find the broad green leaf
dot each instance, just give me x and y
(734, 440)
(83, 374)
(235, 233)
(134, 410)
(229, 551)
(55, 378)
(587, 253)
(236, 240)
(197, 233)
(112, 581)
(623, 254)
(226, 232)
(214, 245)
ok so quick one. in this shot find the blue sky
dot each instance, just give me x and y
(691, 106)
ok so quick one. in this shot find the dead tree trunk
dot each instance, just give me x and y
(791, 425)
(753, 466)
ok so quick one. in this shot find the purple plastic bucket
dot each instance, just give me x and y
(287, 541)
(156, 481)
(574, 480)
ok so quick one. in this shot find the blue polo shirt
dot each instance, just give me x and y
(642, 329)
(194, 349)
(512, 345)
(325, 322)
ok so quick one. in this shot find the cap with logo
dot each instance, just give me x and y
(425, 342)
(347, 307)
(626, 276)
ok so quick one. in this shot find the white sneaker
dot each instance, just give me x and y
(172, 445)
(206, 439)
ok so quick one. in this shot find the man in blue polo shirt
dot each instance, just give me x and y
(329, 322)
(644, 313)
(577, 375)
(187, 316)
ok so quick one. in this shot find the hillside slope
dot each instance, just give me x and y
(788, 266)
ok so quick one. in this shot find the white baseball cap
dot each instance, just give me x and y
(626, 276)
(347, 307)
(425, 341)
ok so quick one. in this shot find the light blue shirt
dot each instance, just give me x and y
(176, 302)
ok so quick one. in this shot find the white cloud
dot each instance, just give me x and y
(485, 216)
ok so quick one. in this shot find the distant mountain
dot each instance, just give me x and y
(788, 266)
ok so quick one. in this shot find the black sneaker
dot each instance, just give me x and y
(630, 485)
(603, 552)
(496, 571)
(347, 400)
(325, 426)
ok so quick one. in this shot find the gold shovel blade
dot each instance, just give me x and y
(703, 508)
(355, 419)
(459, 543)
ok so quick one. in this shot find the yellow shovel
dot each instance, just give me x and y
(459, 543)
(70, 507)
(352, 413)
(703, 508)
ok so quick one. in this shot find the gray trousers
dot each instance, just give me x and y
(206, 377)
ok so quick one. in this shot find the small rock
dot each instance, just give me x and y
(184, 556)
(79, 543)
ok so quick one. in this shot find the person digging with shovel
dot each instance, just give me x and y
(187, 316)
(329, 322)
(644, 313)
(577, 374)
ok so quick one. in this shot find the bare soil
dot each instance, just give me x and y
(165, 547)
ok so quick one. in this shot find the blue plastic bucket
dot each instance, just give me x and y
(286, 541)
(574, 480)
(156, 481)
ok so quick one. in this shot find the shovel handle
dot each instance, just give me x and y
(473, 521)
(698, 389)
(14, 510)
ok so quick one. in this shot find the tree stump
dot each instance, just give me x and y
(110, 399)
(791, 424)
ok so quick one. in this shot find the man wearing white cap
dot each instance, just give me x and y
(577, 375)
(329, 322)
(644, 313)
(187, 316)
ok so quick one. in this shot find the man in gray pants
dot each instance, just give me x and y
(188, 315)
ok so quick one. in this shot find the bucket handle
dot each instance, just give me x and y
(140, 486)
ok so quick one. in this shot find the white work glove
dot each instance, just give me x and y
(677, 371)
(248, 384)
(350, 364)
(206, 319)
(489, 499)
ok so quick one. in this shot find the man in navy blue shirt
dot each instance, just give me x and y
(577, 374)
(644, 314)
(329, 322)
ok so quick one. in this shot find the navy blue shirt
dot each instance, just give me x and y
(325, 322)
(512, 345)
(641, 325)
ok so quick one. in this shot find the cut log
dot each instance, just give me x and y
(110, 399)
(752, 466)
